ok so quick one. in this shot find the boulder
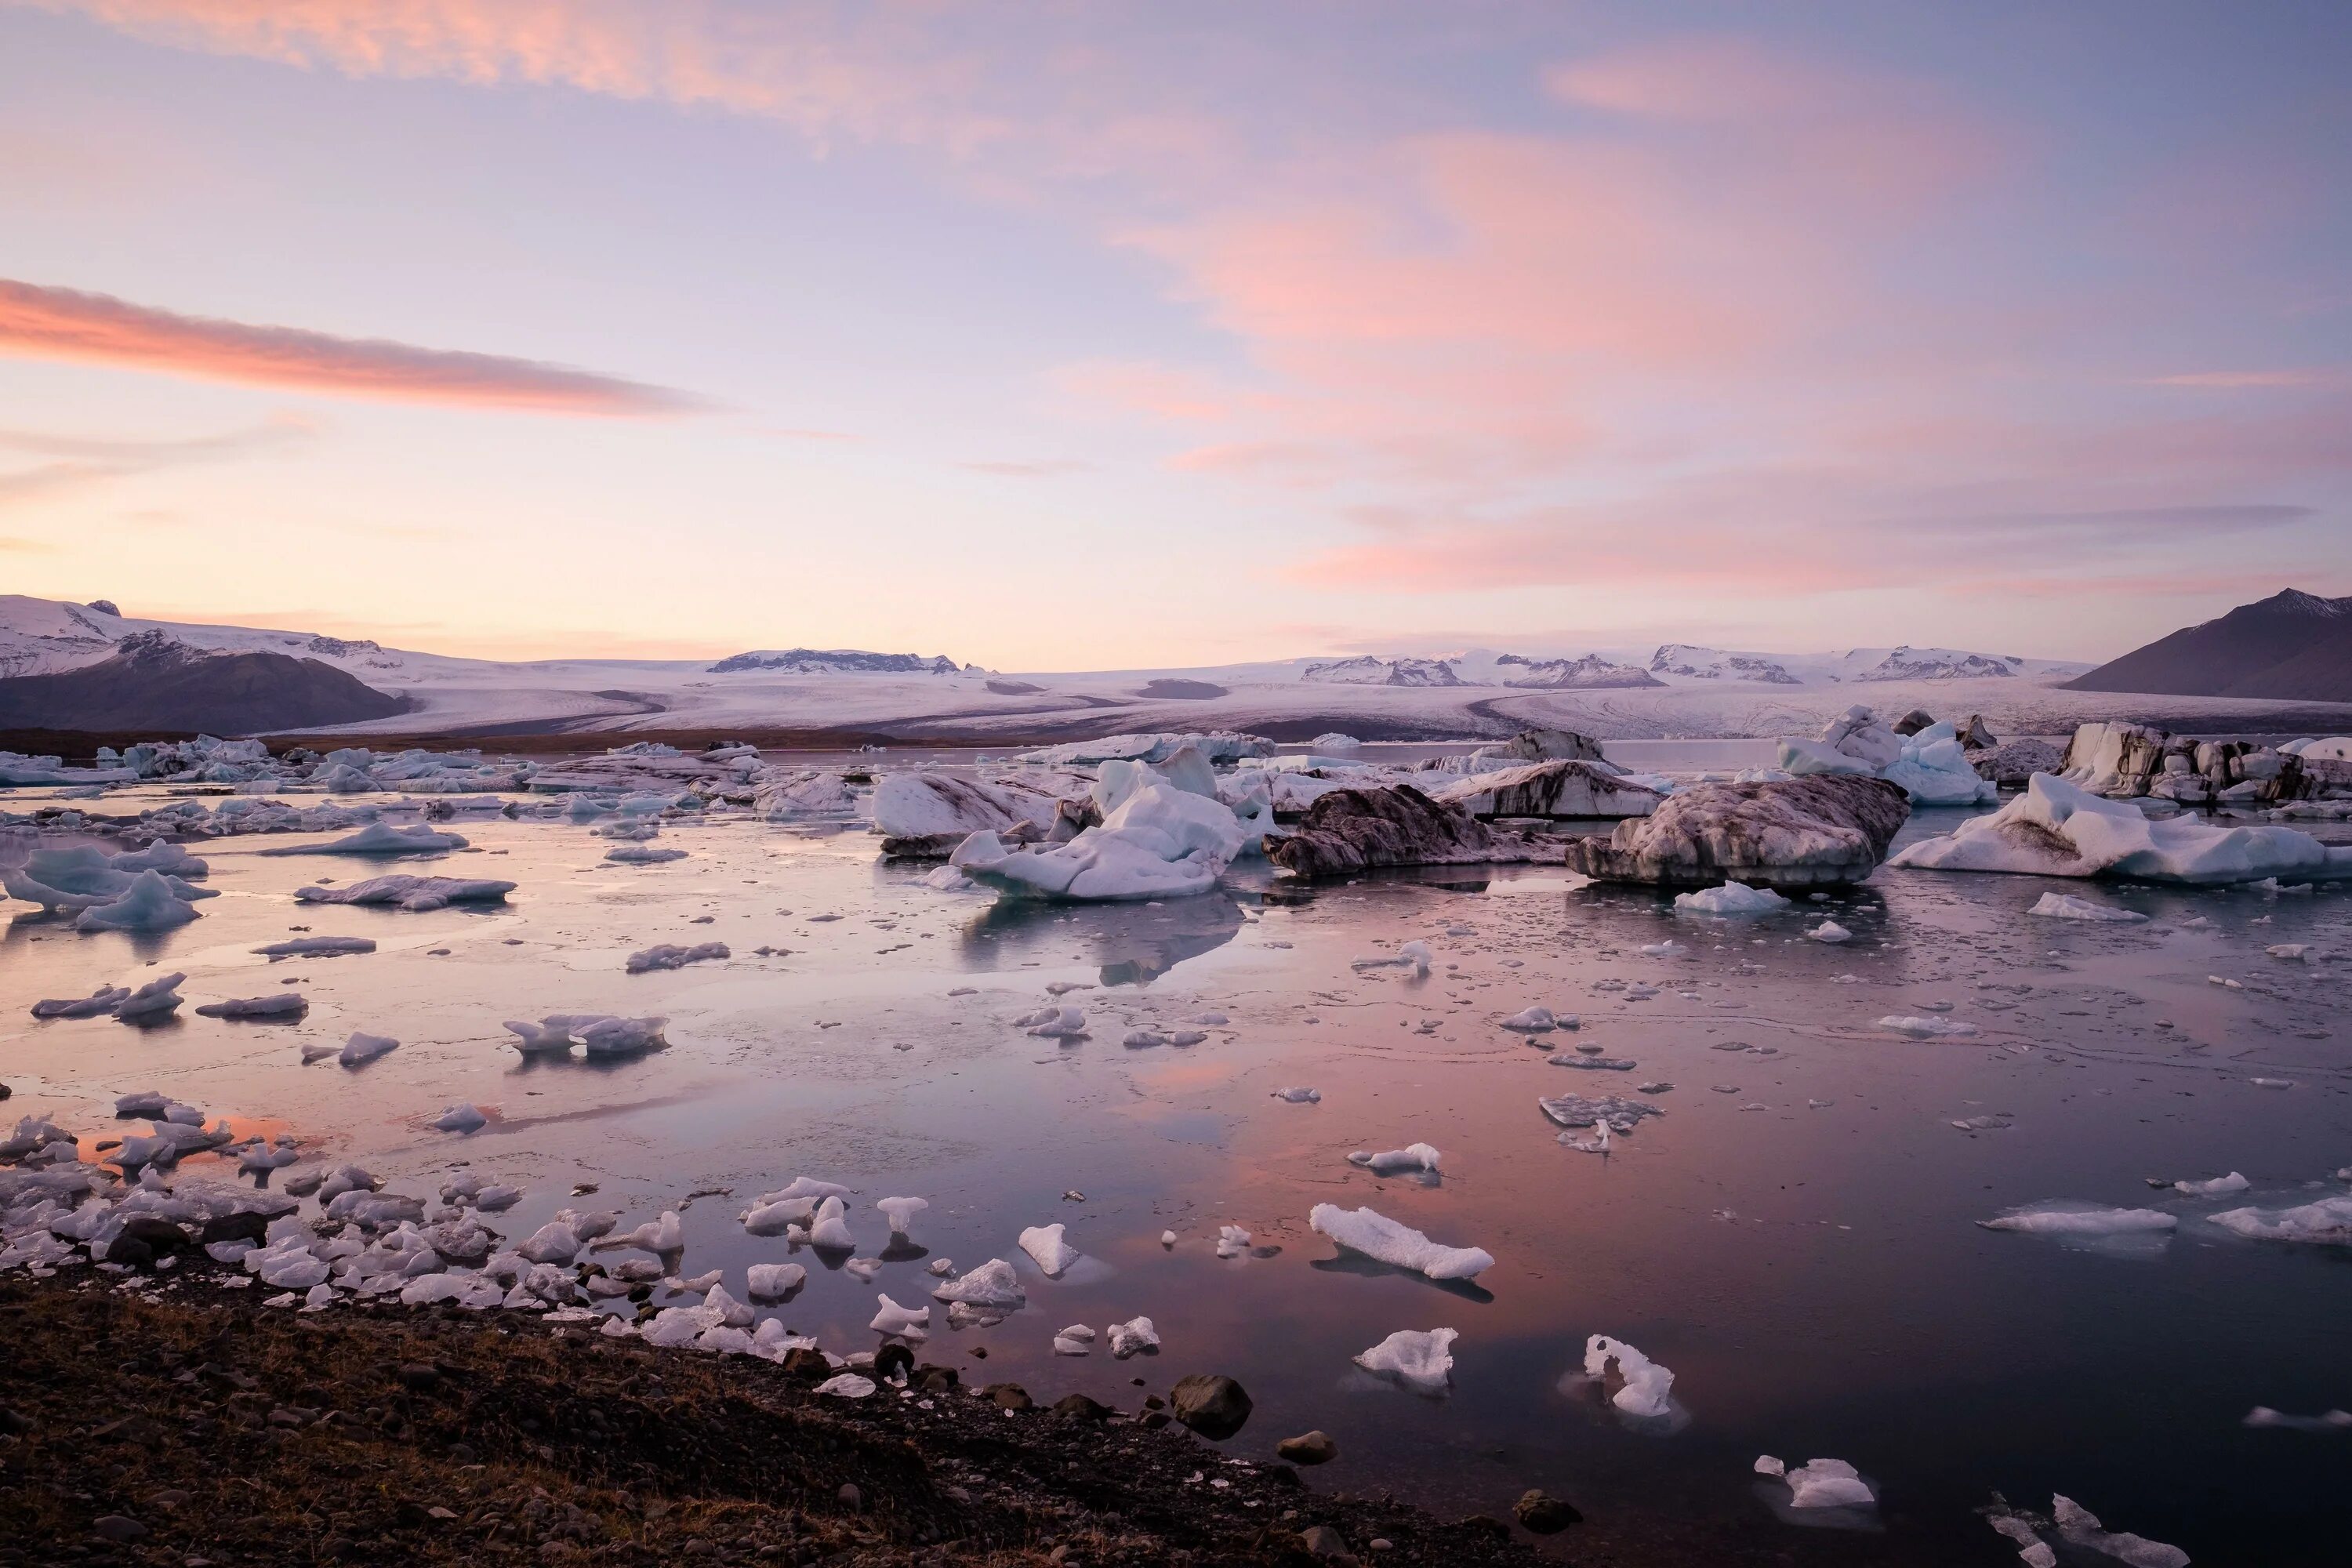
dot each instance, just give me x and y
(1214, 1405)
(1549, 789)
(1544, 1514)
(1351, 830)
(1821, 830)
(1308, 1448)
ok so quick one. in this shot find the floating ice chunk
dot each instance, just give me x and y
(1574, 1111)
(1648, 1388)
(1419, 1359)
(1299, 1096)
(1377, 1236)
(2293, 951)
(1829, 932)
(668, 955)
(1669, 949)
(807, 1187)
(550, 1039)
(1412, 955)
(829, 1227)
(2219, 1187)
(2332, 1421)
(1143, 1039)
(1231, 1241)
(1826, 1483)
(775, 1281)
(285, 1004)
(415, 894)
(901, 1213)
(993, 1284)
(380, 839)
(2068, 1217)
(1412, 1157)
(1046, 1247)
(101, 1003)
(1160, 842)
(863, 1269)
(847, 1385)
(1075, 1340)
(2327, 1221)
(642, 854)
(1730, 898)
(148, 904)
(2068, 907)
(1057, 1024)
(2057, 829)
(906, 1322)
(318, 947)
(664, 1235)
(2078, 1526)
(1133, 1337)
(1532, 1021)
(159, 998)
(363, 1048)
(460, 1119)
(1926, 1028)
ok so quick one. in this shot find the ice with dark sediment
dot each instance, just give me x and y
(283, 1005)
(671, 955)
(1822, 831)
(1351, 830)
(414, 894)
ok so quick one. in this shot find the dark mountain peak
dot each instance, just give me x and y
(2295, 601)
(155, 649)
(2291, 645)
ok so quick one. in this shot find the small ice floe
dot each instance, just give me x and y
(1532, 1021)
(1299, 1096)
(863, 1269)
(2218, 1186)
(285, 1004)
(2118, 1232)
(1385, 1240)
(1075, 1340)
(2078, 1526)
(2292, 952)
(829, 1227)
(1574, 1111)
(159, 998)
(2332, 1421)
(1922, 1029)
(2272, 1082)
(148, 904)
(1668, 949)
(642, 854)
(417, 895)
(669, 955)
(2327, 1222)
(1054, 1023)
(1589, 1062)
(1820, 1483)
(775, 1281)
(847, 1385)
(2068, 907)
(1134, 1337)
(1232, 1241)
(1829, 932)
(100, 1004)
(318, 947)
(380, 839)
(1730, 898)
(901, 1213)
(992, 1285)
(1412, 955)
(1393, 1162)
(363, 1048)
(1167, 1238)
(1421, 1360)
(1045, 1247)
(903, 1322)
(660, 1236)
(459, 1119)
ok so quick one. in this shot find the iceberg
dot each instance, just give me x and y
(1730, 898)
(1383, 1239)
(414, 894)
(285, 1004)
(1161, 842)
(910, 806)
(1818, 831)
(1549, 789)
(148, 904)
(1413, 1157)
(1349, 830)
(380, 839)
(669, 955)
(1045, 1247)
(992, 1285)
(2058, 829)
(2068, 907)
(2327, 1222)
(2068, 1218)
(361, 1048)
(1419, 1359)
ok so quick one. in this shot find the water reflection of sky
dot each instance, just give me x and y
(1812, 1275)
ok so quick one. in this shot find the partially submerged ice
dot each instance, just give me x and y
(1550, 789)
(1648, 1388)
(1820, 1483)
(2058, 829)
(1160, 842)
(1730, 898)
(1351, 830)
(1385, 1240)
(1419, 1359)
(414, 894)
(1823, 831)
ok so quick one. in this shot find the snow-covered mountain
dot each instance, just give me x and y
(1678, 689)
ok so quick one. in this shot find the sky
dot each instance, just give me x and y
(1068, 336)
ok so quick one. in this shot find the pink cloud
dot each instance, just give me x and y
(38, 323)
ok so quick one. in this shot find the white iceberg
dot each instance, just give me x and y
(2327, 1221)
(1045, 1245)
(1648, 1388)
(1730, 898)
(901, 1213)
(993, 1285)
(2068, 907)
(1381, 1238)
(1388, 1163)
(1927, 1028)
(1161, 842)
(414, 894)
(1133, 1338)
(775, 1281)
(148, 904)
(2056, 829)
(2062, 1217)
(1419, 1359)
(905, 1322)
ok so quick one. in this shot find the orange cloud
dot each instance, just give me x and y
(68, 324)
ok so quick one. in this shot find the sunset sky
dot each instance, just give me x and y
(1063, 336)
